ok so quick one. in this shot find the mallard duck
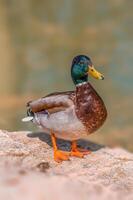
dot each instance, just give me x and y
(70, 115)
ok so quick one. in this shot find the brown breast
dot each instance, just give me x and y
(90, 108)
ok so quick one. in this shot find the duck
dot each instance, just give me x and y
(70, 115)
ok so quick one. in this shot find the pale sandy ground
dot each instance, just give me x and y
(28, 172)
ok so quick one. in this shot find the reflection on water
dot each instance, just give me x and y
(38, 41)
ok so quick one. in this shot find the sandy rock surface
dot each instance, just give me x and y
(28, 172)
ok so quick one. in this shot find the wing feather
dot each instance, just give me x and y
(54, 102)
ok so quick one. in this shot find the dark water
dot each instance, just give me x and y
(38, 41)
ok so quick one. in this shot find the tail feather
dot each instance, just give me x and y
(30, 116)
(27, 119)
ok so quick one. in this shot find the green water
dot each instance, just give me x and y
(38, 41)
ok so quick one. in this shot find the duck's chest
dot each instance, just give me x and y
(89, 107)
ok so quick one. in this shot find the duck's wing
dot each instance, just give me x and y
(52, 103)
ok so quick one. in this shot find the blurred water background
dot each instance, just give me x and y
(39, 38)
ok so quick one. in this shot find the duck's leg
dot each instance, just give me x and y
(58, 154)
(78, 152)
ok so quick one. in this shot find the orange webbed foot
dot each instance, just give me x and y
(60, 156)
(78, 152)
(84, 151)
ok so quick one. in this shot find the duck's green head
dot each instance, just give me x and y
(82, 67)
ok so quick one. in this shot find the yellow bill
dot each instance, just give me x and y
(94, 73)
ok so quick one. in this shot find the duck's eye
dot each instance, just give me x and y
(81, 62)
(92, 70)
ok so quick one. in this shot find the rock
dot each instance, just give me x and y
(28, 171)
